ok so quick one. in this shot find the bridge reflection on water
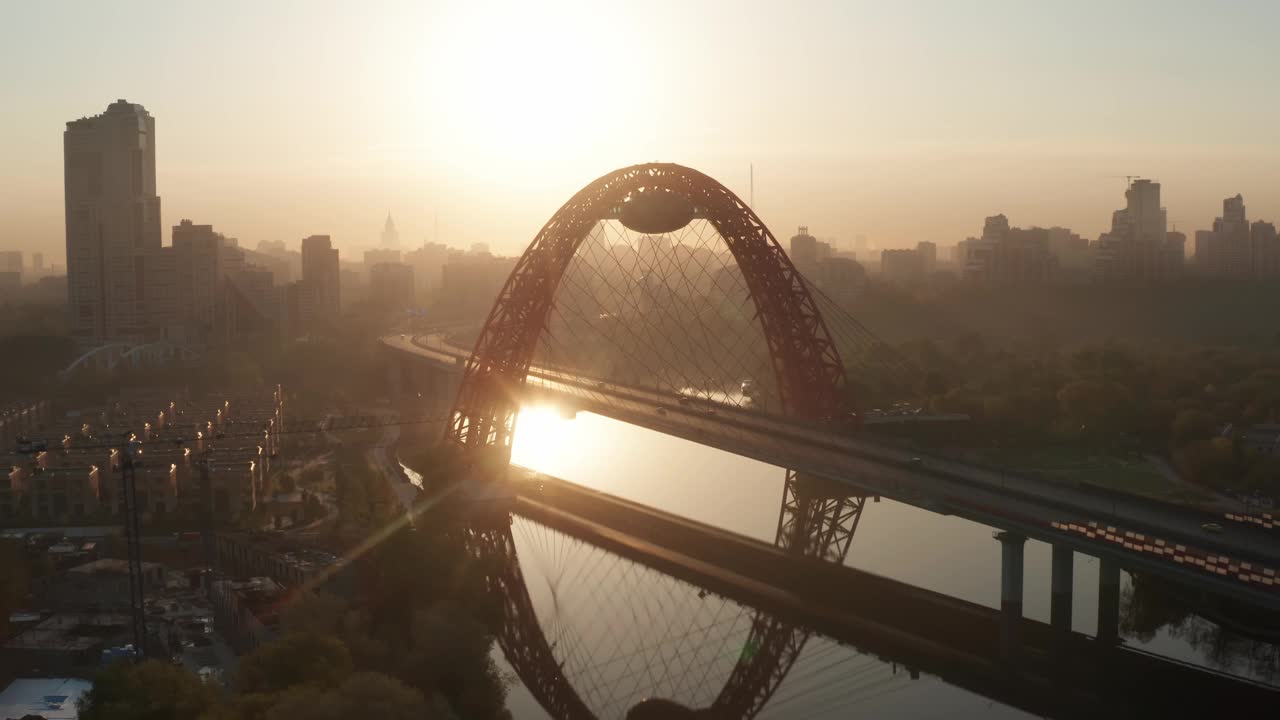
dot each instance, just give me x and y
(624, 632)
(627, 633)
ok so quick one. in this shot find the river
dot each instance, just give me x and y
(631, 632)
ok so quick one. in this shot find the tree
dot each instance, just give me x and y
(314, 614)
(1263, 476)
(450, 653)
(1190, 426)
(149, 691)
(1095, 404)
(295, 659)
(1208, 462)
(14, 581)
(439, 464)
(311, 477)
(362, 695)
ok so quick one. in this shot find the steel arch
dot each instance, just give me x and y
(104, 356)
(113, 355)
(810, 376)
(810, 379)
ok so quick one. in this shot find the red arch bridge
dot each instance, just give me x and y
(655, 296)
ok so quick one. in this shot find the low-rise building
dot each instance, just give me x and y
(51, 698)
(248, 611)
(271, 555)
(1263, 439)
(98, 585)
(905, 265)
(70, 642)
(63, 494)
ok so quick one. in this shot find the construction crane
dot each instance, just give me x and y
(1128, 179)
(137, 590)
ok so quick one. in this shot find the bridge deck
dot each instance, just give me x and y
(1045, 511)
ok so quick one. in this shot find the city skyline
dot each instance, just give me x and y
(397, 122)
(494, 359)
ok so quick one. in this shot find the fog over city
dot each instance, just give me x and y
(899, 122)
(701, 360)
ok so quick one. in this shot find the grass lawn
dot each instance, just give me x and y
(1126, 473)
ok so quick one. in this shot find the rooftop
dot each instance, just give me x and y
(111, 566)
(71, 632)
(50, 698)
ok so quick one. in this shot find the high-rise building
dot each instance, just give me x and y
(320, 277)
(843, 279)
(1142, 209)
(11, 261)
(112, 222)
(201, 263)
(1266, 249)
(1139, 247)
(194, 284)
(804, 252)
(909, 265)
(390, 236)
(824, 251)
(977, 255)
(380, 255)
(428, 265)
(1071, 250)
(470, 281)
(1007, 255)
(391, 285)
(905, 265)
(1227, 250)
(1175, 245)
(37, 263)
(928, 257)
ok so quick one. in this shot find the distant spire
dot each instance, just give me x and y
(390, 236)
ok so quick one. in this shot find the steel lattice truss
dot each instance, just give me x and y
(612, 632)
(809, 375)
(521, 637)
(586, 297)
(669, 313)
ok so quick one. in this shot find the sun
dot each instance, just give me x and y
(544, 437)
(533, 80)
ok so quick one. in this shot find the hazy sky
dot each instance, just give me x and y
(903, 121)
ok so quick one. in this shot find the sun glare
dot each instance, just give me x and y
(543, 434)
(531, 79)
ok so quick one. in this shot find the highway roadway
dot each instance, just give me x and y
(1243, 562)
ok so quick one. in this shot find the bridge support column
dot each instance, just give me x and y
(1108, 601)
(1011, 567)
(818, 516)
(1063, 566)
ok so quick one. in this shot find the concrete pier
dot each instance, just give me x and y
(1063, 569)
(1011, 571)
(1108, 601)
